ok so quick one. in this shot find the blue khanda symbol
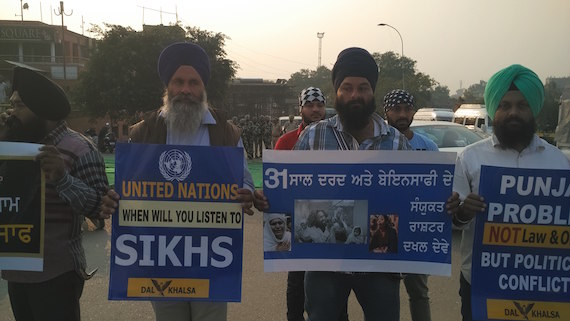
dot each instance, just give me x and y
(175, 164)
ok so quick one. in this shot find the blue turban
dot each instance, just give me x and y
(183, 53)
(524, 79)
(355, 62)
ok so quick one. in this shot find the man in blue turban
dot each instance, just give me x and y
(513, 97)
(186, 119)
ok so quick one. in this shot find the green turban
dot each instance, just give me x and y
(524, 79)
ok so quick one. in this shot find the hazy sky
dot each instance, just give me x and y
(454, 41)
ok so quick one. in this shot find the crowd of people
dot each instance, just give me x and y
(256, 133)
(321, 227)
(77, 185)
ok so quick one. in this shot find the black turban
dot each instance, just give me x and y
(183, 53)
(355, 62)
(41, 95)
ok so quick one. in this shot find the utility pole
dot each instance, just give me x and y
(320, 35)
(62, 13)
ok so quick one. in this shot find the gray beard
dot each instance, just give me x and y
(183, 118)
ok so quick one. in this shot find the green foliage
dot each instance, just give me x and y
(547, 119)
(440, 98)
(418, 84)
(320, 78)
(121, 75)
(474, 94)
(222, 69)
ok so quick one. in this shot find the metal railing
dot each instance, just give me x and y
(35, 59)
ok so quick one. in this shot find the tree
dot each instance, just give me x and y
(474, 94)
(121, 75)
(421, 85)
(547, 119)
(390, 66)
(222, 69)
(440, 98)
(320, 78)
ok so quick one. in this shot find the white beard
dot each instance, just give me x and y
(183, 118)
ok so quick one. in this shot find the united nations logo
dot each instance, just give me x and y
(175, 164)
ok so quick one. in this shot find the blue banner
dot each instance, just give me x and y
(521, 250)
(178, 231)
(366, 211)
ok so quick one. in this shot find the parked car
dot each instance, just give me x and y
(432, 114)
(283, 120)
(449, 137)
(329, 112)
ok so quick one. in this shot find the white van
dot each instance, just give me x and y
(285, 119)
(431, 114)
(473, 116)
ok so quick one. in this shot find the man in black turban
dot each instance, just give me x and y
(354, 76)
(75, 182)
(355, 127)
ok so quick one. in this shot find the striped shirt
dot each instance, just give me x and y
(76, 195)
(329, 134)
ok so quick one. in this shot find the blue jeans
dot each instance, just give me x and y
(326, 293)
(417, 288)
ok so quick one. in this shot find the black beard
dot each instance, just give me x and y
(397, 124)
(17, 132)
(353, 117)
(513, 137)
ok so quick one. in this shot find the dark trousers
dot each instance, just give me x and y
(296, 298)
(465, 293)
(55, 299)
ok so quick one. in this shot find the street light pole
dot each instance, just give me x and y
(62, 13)
(402, 58)
(320, 35)
(22, 7)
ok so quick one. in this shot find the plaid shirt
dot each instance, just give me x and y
(329, 134)
(76, 195)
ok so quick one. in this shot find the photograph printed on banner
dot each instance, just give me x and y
(383, 233)
(276, 232)
(330, 221)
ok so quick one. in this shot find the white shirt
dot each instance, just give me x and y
(539, 154)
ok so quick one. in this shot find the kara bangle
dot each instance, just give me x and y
(456, 216)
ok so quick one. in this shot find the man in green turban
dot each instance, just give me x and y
(513, 97)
